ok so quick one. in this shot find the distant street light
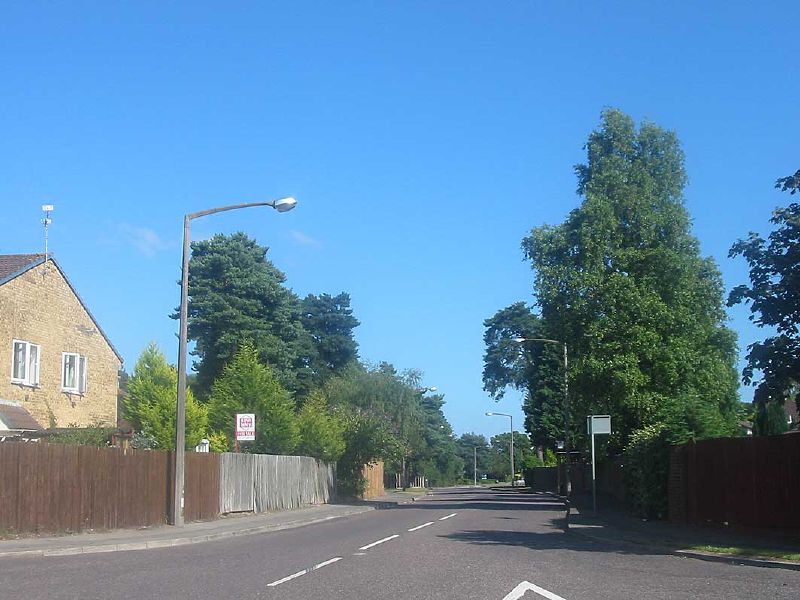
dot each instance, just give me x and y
(282, 205)
(521, 340)
(496, 414)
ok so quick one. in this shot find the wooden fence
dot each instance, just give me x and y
(59, 488)
(50, 487)
(264, 482)
(752, 482)
(373, 474)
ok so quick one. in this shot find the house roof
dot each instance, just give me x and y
(15, 418)
(14, 265)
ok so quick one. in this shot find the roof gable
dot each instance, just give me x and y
(14, 265)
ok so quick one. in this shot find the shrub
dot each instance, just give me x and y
(647, 471)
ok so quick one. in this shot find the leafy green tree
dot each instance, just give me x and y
(531, 367)
(367, 439)
(236, 294)
(774, 299)
(151, 401)
(249, 386)
(330, 322)
(434, 453)
(500, 454)
(473, 446)
(622, 282)
(321, 432)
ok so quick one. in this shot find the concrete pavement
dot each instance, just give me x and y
(612, 523)
(192, 533)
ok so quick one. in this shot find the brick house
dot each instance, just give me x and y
(55, 361)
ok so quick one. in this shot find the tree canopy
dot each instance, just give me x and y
(622, 283)
(774, 299)
(236, 294)
(151, 398)
(249, 386)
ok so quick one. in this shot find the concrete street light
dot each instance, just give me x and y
(497, 414)
(522, 340)
(281, 205)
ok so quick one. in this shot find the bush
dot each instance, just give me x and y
(84, 436)
(647, 471)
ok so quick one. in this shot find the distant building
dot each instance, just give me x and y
(56, 363)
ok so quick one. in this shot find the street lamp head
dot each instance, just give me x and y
(433, 388)
(519, 339)
(284, 204)
(489, 414)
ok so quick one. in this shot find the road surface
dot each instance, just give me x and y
(459, 543)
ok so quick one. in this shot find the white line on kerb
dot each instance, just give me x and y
(519, 591)
(386, 539)
(448, 517)
(421, 526)
(305, 571)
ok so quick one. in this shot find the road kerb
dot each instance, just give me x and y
(177, 541)
(739, 560)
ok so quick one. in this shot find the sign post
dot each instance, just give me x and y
(245, 428)
(597, 425)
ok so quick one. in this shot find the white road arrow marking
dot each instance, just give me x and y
(527, 586)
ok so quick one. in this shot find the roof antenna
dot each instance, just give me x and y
(47, 208)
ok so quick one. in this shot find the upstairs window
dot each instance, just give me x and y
(73, 373)
(25, 363)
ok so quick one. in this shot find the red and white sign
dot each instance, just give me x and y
(245, 427)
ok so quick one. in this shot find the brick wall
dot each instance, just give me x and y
(40, 307)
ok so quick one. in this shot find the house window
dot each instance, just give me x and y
(73, 373)
(25, 363)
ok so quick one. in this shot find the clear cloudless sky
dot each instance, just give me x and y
(423, 140)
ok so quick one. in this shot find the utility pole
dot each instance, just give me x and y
(475, 465)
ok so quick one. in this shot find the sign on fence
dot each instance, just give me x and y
(245, 427)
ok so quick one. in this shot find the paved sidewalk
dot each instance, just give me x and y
(192, 533)
(613, 524)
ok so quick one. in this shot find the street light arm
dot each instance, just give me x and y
(548, 341)
(276, 204)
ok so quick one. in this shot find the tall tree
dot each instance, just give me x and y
(321, 431)
(472, 446)
(236, 293)
(531, 367)
(249, 386)
(330, 322)
(622, 282)
(774, 299)
(151, 398)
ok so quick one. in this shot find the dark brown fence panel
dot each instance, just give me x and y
(752, 482)
(52, 487)
(201, 495)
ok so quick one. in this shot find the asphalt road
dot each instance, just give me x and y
(457, 543)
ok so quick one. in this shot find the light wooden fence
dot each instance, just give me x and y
(264, 482)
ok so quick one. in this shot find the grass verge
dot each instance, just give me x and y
(749, 552)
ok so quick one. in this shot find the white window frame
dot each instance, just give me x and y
(81, 367)
(31, 376)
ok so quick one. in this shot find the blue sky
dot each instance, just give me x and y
(423, 140)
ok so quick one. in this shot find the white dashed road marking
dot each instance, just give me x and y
(305, 571)
(448, 517)
(386, 539)
(421, 526)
